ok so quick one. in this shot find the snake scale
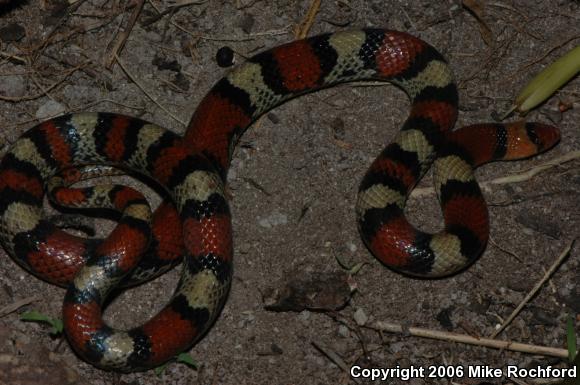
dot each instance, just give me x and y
(192, 169)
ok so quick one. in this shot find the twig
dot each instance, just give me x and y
(514, 178)
(40, 49)
(490, 60)
(465, 339)
(535, 289)
(548, 52)
(406, 14)
(87, 70)
(17, 305)
(240, 6)
(187, 3)
(118, 60)
(44, 91)
(13, 57)
(41, 87)
(546, 381)
(530, 173)
(171, 9)
(476, 9)
(504, 6)
(124, 35)
(302, 30)
(333, 357)
(509, 252)
(520, 199)
(282, 31)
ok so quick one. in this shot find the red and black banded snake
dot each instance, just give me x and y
(193, 169)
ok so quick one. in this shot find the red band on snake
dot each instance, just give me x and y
(192, 169)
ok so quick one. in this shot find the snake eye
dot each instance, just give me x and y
(543, 136)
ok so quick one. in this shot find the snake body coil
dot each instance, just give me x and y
(193, 168)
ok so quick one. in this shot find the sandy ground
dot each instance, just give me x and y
(294, 181)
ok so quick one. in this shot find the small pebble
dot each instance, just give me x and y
(276, 349)
(304, 315)
(273, 117)
(351, 247)
(360, 317)
(13, 86)
(273, 219)
(396, 347)
(49, 109)
(247, 22)
(343, 331)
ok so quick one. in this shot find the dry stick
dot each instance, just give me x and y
(499, 5)
(145, 91)
(170, 9)
(535, 289)
(58, 38)
(333, 357)
(240, 6)
(519, 382)
(40, 48)
(514, 178)
(187, 3)
(17, 305)
(465, 339)
(548, 52)
(305, 26)
(506, 250)
(123, 36)
(44, 91)
(546, 381)
(253, 36)
(12, 57)
(530, 173)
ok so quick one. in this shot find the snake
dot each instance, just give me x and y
(193, 224)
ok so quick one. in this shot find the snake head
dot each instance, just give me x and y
(544, 136)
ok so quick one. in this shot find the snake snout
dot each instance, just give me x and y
(544, 136)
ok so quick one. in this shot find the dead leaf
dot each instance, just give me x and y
(318, 291)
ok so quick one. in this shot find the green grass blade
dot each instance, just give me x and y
(35, 316)
(544, 84)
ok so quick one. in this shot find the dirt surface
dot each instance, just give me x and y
(294, 181)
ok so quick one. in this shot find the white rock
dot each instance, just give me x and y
(360, 317)
(274, 219)
(49, 109)
(343, 331)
